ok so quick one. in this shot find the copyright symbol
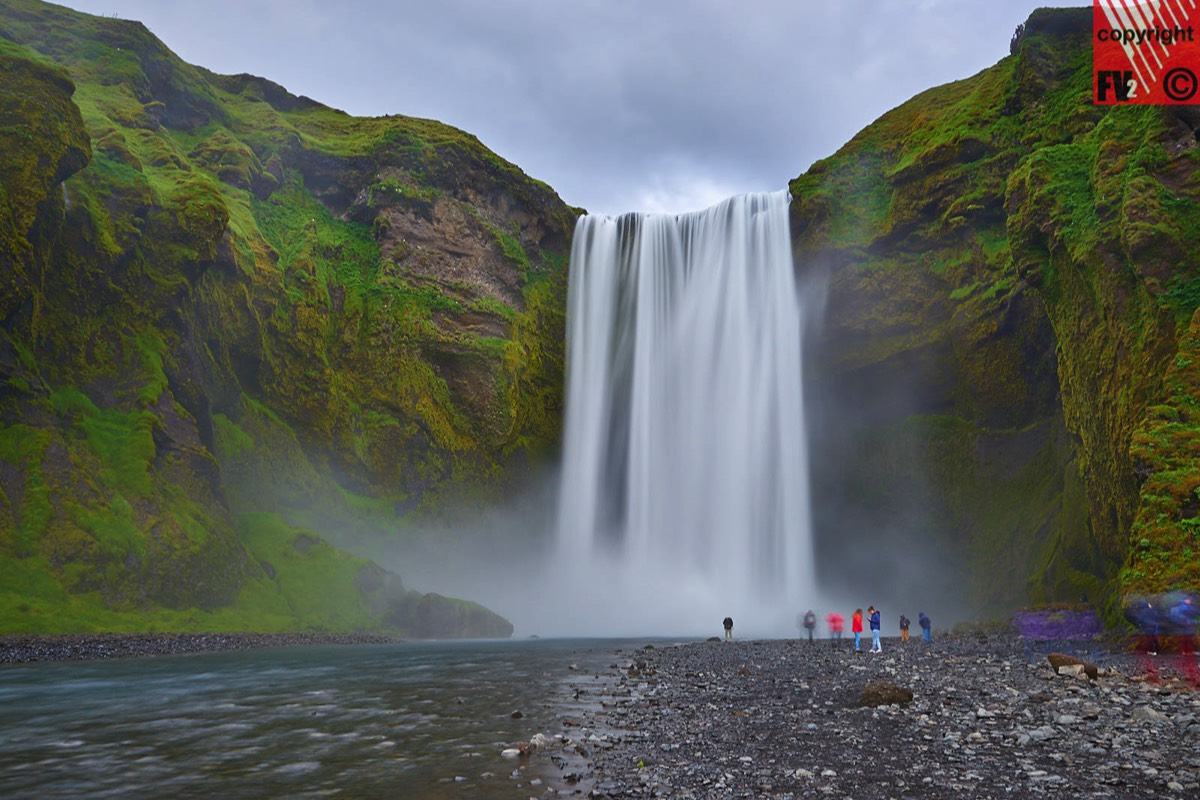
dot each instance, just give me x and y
(1180, 84)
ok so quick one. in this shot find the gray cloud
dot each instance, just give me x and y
(619, 105)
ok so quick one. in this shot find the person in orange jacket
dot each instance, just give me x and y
(856, 627)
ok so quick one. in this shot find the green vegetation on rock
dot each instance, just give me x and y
(203, 274)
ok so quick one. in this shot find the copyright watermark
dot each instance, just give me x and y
(1145, 52)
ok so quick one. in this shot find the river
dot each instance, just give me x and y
(409, 720)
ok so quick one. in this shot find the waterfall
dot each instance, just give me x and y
(684, 493)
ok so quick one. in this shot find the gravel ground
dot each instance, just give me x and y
(21, 648)
(989, 718)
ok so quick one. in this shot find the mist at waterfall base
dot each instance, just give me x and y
(684, 489)
(683, 494)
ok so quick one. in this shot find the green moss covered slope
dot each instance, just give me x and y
(218, 301)
(1015, 271)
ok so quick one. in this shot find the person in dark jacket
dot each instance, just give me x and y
(876, 647)
(926, 626)
(904, 623)
(728, 629)
(810, 622)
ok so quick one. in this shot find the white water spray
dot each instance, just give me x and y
(685, 492)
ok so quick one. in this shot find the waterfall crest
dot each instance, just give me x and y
(685, 468)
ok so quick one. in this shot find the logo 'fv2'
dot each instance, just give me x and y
(1145, 52)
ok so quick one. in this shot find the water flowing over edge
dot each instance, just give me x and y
(685, 494)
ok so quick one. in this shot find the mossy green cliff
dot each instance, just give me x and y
(220, 302)
(1012, 276)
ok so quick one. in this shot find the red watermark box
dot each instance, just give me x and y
(1146, 52)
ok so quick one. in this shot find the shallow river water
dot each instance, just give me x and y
(360, 721)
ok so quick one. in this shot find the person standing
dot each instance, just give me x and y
(728, 629)
(856, 628)
(836, 624)
(904, 623)
(926, 626)
(810, 622)
(876, 647)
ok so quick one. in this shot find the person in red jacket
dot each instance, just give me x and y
(836, 623)
(856, 627)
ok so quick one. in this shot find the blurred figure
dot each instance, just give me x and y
(856, 627)
(836, 624)
(810, 622)
(728, 623)
(1183, 613)
(926, 626)
(1145, 616)
(904, 623)
(1165, 621)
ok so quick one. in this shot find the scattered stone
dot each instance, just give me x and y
(980, 717)
(516, 715)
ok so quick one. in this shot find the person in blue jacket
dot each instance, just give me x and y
(926, 626)
(876, 647)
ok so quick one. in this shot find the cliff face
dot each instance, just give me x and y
(1011, 276)
(219, 301)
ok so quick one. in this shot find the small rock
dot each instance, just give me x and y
(1043, 733)
(1060, 660)
(804, 773)
(1146, 714)
(1072, 671)
(828, 773)
(516, 715)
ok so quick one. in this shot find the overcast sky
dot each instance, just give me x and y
(620, 105)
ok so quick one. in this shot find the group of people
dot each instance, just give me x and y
(837, 623)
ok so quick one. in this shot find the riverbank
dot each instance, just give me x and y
(989, 718)
(27, 648)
